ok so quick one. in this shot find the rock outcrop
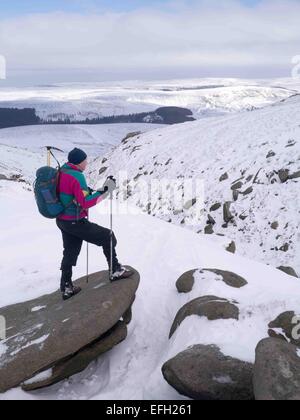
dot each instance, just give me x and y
(205, 373)
(285, 327)
(186, 282)
(211, 307)
(276, 371)
(288, 270)
(231, 279)
(47, 332)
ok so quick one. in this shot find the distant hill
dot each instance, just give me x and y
(12, 117)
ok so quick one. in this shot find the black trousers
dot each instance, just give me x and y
(73, 234)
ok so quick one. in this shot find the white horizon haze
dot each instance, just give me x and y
(184, 39)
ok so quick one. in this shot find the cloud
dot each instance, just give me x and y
(182, 36)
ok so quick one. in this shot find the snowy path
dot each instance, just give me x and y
(30, 255)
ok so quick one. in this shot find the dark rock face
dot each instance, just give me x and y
(215, 207)
(283, 175)
(237, 186)
(209, 230)
(231, 248)
(295, 175)
(186, 282)
(102, 170)
(211, 220)
(82, 359)
(271, 154)
(235, 195)
(228, 216)
(211, 307)
(204, 373)
(285, 326)
(231, 279)
(275, 225)
(45, 331)
(276, 371)
(127, 138)
(224, 177)
(284, 248)
(248, 191)
(289, 270)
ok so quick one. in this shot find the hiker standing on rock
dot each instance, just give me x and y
(73, 222)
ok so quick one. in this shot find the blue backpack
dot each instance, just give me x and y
(46, 194)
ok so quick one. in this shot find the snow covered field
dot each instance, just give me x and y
(22, 149)
(161, 252)
(204, 97)
(251, 147)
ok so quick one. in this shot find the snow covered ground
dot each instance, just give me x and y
(22, 149)
(29, 267)
(251, 148)
(205, 97)
(238, 144)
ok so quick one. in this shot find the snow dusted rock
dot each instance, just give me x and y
(231, 279)
(43, 332)
(102, 170)
(283, 175)
(276, 371)
(295, 175)
(204, 373)
(289, 270)
(211, 307)
(284, 326)
(275, 225)
(186, 282)
(223, 177)
(248, 191)
(228, 216)
(237, 186)
(231, 247)
(209, 230)
(271, 154)
(80, 361)
(215, 207)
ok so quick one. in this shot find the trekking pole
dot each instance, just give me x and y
(87, 259)
(111, 237)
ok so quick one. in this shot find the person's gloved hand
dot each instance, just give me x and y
(109, 185)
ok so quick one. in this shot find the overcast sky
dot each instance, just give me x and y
(82, 40)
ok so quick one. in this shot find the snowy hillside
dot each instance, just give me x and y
(250, 160)
(187, 194)
(22, 149)
(161, 252)
(204, 97)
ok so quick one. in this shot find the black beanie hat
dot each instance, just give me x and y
(77, 156)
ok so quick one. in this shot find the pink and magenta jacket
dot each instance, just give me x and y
(72, 187)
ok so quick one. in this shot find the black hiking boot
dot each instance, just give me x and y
(121, 273)
(70, 292)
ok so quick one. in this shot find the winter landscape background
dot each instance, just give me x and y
(244, 145)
